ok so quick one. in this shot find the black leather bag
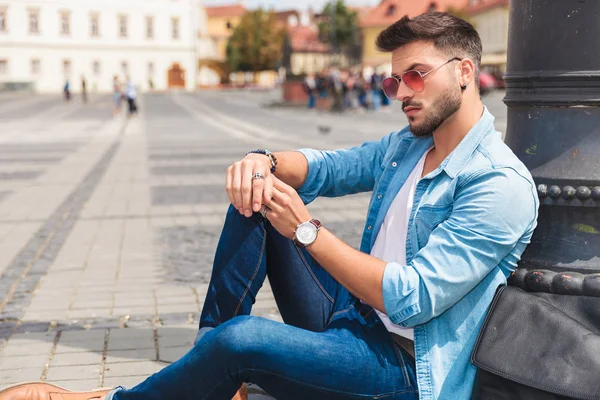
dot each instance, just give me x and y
(538, 346)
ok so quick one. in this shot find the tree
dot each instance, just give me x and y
(339, 27)
(256, 43)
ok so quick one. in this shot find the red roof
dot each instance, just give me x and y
(306, 39)
(361, 10)
(226, 11)
(390, 11)
(481, 5)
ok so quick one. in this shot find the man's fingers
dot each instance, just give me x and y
(246, 189)
(236, 185)
(268, 189)
(228, 184)
(278, 199)
(257, 193)
(281, 185)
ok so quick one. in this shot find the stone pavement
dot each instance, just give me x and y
(108, 226)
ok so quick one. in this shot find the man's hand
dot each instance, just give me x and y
(246, 194)
(286, 209)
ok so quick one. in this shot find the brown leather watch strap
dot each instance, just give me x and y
(316, 223)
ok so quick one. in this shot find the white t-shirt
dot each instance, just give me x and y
(390, 244)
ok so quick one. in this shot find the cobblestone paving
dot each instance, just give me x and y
(108, 226)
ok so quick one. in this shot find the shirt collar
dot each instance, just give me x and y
(455, 162)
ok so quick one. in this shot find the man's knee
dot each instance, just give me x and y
(243, 336)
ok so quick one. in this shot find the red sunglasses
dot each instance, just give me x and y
(413, 79)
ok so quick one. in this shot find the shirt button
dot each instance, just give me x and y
(394, 164)
(379, 196)
(369, 227)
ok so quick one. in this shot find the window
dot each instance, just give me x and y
(96, 68)
(432, 7)
(150, 69)
(65, 23)
(122, 26)
(34, 22)
(175, 28)
(35, 67)
(3, 67)
(66, 67)
(228, 25)
(391, 10)
(149, 28)
(124, 67)
(2, 20)
(94, 25)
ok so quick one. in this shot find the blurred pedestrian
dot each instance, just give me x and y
(67, 91)
(335, 87)
(83, 90)
(384, 99)
(376, 90)
(131, 93)
(310, 87)
(117, 96)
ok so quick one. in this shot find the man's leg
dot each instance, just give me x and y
(248, 250)
(354, 358)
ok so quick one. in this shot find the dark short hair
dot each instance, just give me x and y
(452, 35)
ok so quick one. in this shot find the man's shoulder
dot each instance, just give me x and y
(493, 155)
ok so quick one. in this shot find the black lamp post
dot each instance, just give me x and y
(553, 99)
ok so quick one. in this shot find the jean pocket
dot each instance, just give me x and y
(340, 314)
(406, 363)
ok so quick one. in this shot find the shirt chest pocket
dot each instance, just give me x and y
(428, 218)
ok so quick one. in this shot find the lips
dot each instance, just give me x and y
(410, 110)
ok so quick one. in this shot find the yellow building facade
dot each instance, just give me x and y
(220, 26)
(219, 22)
(491, 21)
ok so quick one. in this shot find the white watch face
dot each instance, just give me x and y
(306, 233)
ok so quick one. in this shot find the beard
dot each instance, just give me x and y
(441, 109)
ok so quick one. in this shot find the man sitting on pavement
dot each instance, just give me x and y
(452, 211)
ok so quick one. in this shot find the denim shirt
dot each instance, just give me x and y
(471, 220)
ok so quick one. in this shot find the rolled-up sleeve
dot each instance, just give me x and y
(490, 215)
(341, 172)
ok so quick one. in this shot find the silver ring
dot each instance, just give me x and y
(257, 175)
(263, 211)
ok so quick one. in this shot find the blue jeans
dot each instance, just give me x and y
(311, 100)
(331, 346)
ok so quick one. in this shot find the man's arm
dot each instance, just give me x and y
(292, 168)
(311, 172)
(489, 217)
(358, 272)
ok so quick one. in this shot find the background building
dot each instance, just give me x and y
(43, 43)
(220, 24)
(490, 17)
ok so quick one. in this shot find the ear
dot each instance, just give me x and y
(466, 72)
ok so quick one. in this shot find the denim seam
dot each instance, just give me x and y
(345, 310)
(313, 275)
(370, 396)
(262, 252)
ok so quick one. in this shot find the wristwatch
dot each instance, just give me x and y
(306, 233)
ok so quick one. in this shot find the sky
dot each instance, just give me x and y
(286, 4)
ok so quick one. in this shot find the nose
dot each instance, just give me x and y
(404, 92)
